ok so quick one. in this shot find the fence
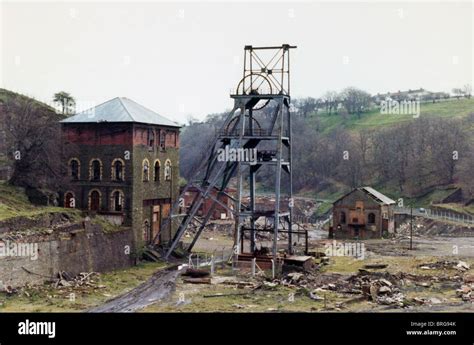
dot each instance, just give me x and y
(438, 214)
(451, 216)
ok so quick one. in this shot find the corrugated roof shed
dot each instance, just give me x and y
(120, 109)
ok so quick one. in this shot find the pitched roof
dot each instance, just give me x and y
(378, 196)
(120, 109)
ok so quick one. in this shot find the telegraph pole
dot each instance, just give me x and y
(411, 227)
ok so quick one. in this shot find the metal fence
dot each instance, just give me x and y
(438, 214)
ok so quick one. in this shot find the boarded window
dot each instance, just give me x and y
(371, 218)
(74, 169)
(342, 219)
(156, 172)
(95, 170)
(118, 171)
(168, 171)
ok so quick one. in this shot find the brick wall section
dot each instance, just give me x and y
(77, 249)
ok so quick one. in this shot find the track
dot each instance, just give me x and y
(159, 287)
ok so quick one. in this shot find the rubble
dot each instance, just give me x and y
(65, 279)
(445, 264)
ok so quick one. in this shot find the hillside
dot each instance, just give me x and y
(373, 119)
(401, 155)
(32, 131)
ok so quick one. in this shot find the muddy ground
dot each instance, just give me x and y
(436, 275)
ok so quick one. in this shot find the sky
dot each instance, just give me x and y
(181, 59)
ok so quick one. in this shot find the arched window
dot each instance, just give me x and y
(146, 170)
(94, 200)
(117, 201)
(118, 169)
(95, 170)
(371, 218)
(74, 169)
(343, 218)
(69, 200)
(156, 171)
(168, 170)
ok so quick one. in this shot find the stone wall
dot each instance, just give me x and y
(77, 248)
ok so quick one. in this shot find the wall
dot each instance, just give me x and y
(74, 249)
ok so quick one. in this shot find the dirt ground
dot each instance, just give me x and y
(437, 275)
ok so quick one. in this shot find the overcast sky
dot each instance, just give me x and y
(183, 59)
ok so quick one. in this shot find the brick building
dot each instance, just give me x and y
(219, 211)
(363, 213)
(122, 163)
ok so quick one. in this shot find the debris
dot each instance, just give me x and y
(375, 266)
(295, 276)
(196, 273)
(445, 264)
(66, 280)
(469, 278)
(462, 266)
(197, 280)
(315, 297)
(384, 289)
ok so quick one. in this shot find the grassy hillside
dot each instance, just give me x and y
(374, 119)
(15, 203)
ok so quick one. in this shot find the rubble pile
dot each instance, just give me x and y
(83, 279)
(446, 264)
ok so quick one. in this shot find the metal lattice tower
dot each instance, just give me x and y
(259, 123)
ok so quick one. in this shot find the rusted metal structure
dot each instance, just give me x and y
(257, 132)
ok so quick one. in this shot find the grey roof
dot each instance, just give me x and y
(377, 195)
(120, 109)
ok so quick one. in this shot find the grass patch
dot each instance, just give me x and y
(44, 298)
(15, 203)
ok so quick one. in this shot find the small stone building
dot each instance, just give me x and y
(363, 213)
(122, 163)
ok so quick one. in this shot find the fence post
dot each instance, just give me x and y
(273, 269)
(212, 265)
(190, 261)
(254, 262)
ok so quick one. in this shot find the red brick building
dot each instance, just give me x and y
(363, 213)
(219, 211)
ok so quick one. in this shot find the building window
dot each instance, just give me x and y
(146, 232)
(371, 218)
(156, 171)
(117, 201)
(146, 170)
(118, 170)
(74, 168)
(151, 139)
(343, 218)
(94, 200)
(95, 170)
(69, 200)
(162, 140)
(168, 170)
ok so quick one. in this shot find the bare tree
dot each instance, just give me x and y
(356, 101)
(32, 135)
(330, 100)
